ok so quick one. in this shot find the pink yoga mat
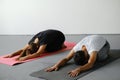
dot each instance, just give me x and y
(12, 61)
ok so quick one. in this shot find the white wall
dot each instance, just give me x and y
(69, 16)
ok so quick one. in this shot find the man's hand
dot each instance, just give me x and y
(54, 68)
(74, 73)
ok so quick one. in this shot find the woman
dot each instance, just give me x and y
(45, 41)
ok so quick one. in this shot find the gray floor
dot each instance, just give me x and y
(11, 43)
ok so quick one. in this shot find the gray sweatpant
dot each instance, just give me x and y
(103, 53)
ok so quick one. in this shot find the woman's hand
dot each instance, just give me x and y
(21, 59)
(8, 56)
(24, 57)
(17, 58)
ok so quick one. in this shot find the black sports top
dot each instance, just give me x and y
(53, 38)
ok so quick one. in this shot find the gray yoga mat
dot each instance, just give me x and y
(62, 73)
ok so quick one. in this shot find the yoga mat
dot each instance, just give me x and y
(62, 73)
(12, 61)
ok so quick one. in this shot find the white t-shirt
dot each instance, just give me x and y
(92, 43)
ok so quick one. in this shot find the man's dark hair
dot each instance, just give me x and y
(79, 58)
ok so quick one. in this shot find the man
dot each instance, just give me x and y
(89, 50)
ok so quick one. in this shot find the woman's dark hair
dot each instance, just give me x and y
(79, 58)
(33, 47)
